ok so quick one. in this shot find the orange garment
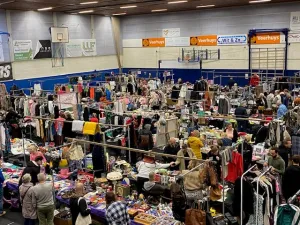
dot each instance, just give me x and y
(92, 93)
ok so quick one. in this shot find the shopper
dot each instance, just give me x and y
(285, 151)
(261, 102)
(282, 109)
(276, 98)
(231, 82)
(43, 196)
(94, 118)
(231, 132)
(214, 156)
(179, 203)
(33, 168)
(195, 143)
(27, 200)
(145, 138)
(172, 149)
(12, 120)
(182, 164)
(275, 161)
(33, 151)
(241, 112)
(291, 178)
(145, 167)
(247, 152)
(2, 213)
(78, 204)
(116, 211)
(153, 188)
(192, 184)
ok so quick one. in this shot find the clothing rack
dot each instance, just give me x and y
(291, 199)
(242, 177)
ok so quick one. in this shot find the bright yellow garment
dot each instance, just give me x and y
(91, 128)
(195, 144)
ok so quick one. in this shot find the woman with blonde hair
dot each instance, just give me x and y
(34, 152)
(27, 200)
(195, 143)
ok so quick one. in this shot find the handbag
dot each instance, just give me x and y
(195, 216)
(83, 220)
(76, 152)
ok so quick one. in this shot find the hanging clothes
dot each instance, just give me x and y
(235, 167)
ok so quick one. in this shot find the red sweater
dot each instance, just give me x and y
(254, 80)
(235, 167)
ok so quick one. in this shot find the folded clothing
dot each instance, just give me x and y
(91, 128)
(77, 125)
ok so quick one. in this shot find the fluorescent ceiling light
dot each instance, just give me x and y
(87, 11)
(259, 1)
(45, 9)
(119, 14)
(88, 3)
(128, 7)
(205, 6)
(176, 2)
(158, 10)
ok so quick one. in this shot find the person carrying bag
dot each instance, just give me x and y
(83, 220)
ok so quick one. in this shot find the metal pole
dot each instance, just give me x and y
(242, 191)
(128, 131)
(23, 145)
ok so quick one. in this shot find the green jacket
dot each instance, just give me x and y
(278, 163)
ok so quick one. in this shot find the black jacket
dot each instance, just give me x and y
(284, 153)
(78, 208)
(261, 134)
(172, 151)
(261, 102)
(33, 170)
(291, 181)
(151, 143)
(241, 112)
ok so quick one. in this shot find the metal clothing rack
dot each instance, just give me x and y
(291, 199)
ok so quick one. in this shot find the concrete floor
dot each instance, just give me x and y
(11, 218)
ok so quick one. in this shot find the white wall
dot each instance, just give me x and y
(236, 20)
(34, 26)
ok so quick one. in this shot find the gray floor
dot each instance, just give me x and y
(11, 218)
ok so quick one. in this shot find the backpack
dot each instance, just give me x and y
(144, 141)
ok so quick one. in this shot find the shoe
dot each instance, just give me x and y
(3, 213)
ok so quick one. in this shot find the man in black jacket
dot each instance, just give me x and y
(291, 179)
(241, 112)
(285, 151)
(172, 148)
(33, 168)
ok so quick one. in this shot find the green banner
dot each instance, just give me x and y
(22, 50)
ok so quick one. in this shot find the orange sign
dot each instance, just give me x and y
(154, 42)
(206, 40)
(266, 38)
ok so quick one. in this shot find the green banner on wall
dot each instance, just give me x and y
(22, 50)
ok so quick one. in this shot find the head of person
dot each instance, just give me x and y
(79, 189)
(172, 142)
(220, 143)
(32, 148)
(286, 91)
(11, 109)
(276, 92)
(278, 103)
(261, 96)
(94, 115)
(274, 152)
(68, 115)
(184, 148)
(151, 176)
(41, 177)
(296, 160)
(39, 160)
(62, 115)
(287, 143)
(179, 81)
(26, 178)
(214, 150)
(229, 126)
(110, 198)
(195, 133)
(147, 127)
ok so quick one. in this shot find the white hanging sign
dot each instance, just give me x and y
(295, 21)
(66, 100)
(171, 32)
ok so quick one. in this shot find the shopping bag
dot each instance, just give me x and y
(195, 217)
(83, 220)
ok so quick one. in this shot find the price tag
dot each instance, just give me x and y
(6, 71)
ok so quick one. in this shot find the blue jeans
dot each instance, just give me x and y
(1, 200)
(29, 222)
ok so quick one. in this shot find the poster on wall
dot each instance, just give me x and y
(239, 39)
(6, 72)
(43, 50)
(1, 50)
(81, 47)
(171, 32)
(295, 21)
(205, 40)
(22, 50)
(294, 38)
(266, 38)
(154, 42)
(177, 41)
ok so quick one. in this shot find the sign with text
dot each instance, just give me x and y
(81, 47)
(6, 72)
(1, 50)
(22, 50)
(239, 39)
(294, 38)
(177, 41)
(67, 100)
(295, 21)
(154, 42)
(266, 38)
(43, 49)
(171, 32)
(205, 40)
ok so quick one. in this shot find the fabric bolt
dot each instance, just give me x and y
(116, 214)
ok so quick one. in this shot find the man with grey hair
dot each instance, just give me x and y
(145, 140)
(43, 195)
(27, 200)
